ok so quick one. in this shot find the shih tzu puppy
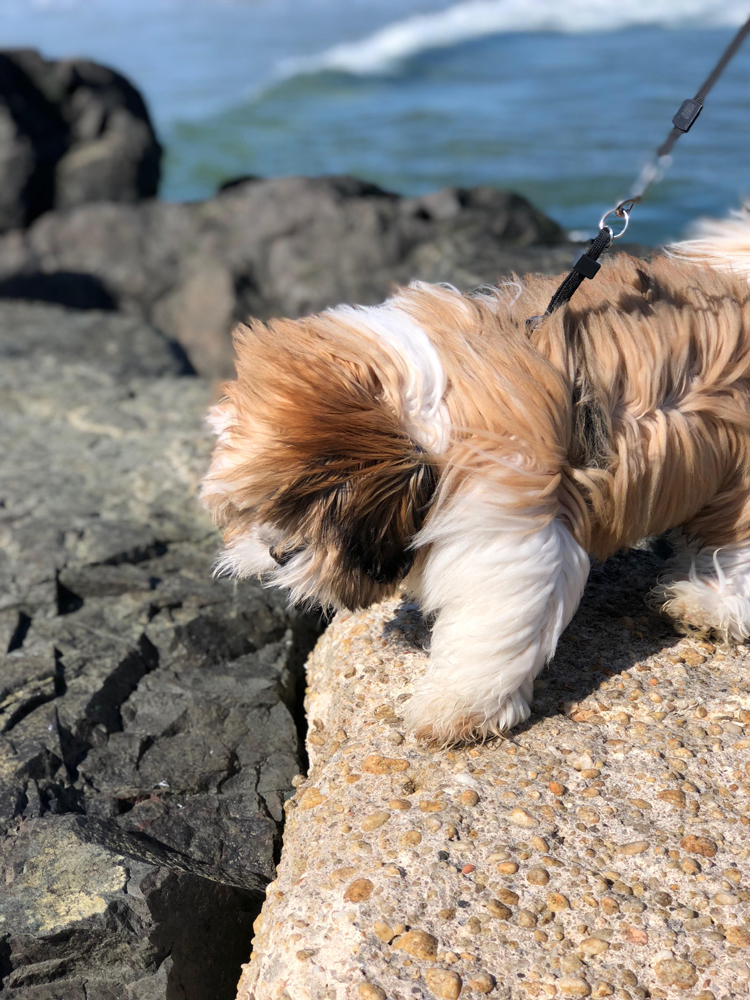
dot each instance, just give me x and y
(435, 441)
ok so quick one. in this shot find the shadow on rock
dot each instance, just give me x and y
(63, 288)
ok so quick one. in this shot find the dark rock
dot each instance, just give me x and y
(287, 246)
(72, 132)
(33, 140)
(138, 694)
(79, 921)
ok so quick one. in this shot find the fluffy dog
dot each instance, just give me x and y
(436, 441)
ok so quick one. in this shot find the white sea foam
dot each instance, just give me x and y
(383, 51)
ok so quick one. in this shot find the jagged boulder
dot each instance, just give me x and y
(147, 737)
(71, 132)
(286, 246)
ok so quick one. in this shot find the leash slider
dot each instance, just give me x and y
(686, 116)
(587, 266)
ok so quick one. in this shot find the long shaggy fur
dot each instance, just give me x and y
(435, 440)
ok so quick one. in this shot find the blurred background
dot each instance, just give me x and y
(559, 101)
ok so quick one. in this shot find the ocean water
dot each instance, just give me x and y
(560, 101)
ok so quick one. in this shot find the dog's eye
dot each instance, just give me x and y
(280, 557)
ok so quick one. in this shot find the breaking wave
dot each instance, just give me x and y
(383, 51)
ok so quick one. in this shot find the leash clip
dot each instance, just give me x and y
(621, 212)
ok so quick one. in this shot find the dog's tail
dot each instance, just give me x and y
(720, 243)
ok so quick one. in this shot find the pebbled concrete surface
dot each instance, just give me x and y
(602, 850)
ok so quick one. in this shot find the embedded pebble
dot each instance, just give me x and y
(602, 989)
(310, 798)
(445, 985)
(699, 845)
(556, 901)
(368, 991)
(499, 910)
(635, 847)
(676, 972)
(399, 804)
(593, 946)
(726, 899)
(359, 890)
(507, 868)
(603, 850)
(418, 943)
(507, 896)
(673, 796)
(520, 817)
(573, 986)
(468, 798)
(738, 936)
(483, 983)
(537, 876)
(384, 932)
(374, 820)
(375, 763)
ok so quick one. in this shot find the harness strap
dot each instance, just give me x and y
(586, 266)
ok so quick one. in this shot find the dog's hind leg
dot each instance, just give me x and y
(504, 583)
(707, 589)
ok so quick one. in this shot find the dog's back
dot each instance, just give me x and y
(658, 355)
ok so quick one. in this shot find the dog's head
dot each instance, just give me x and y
(315, 480)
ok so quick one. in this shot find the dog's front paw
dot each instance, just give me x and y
(446, 718)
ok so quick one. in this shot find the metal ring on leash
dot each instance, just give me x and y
(621, 213)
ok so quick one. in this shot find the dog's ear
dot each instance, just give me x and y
(387, 512)
(366, 513)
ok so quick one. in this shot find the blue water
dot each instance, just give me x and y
(565, 117)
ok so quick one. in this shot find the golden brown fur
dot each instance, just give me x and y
(663, 351)
(660, 355)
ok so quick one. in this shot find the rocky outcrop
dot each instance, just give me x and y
(287, 246)
(602, 850)
(147, 738)
(71, 132)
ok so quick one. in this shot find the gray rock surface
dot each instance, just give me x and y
(287, 246)
(143, 705)
(602, 850)
(71, 132)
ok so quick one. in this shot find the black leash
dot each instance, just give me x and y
(587, 265)
(690, 109)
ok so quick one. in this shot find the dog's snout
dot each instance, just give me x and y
(280, 556)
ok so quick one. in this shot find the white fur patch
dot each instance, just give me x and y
(248, 554)
(709, 588)
(505, 584)
(721, 243)
(220, 419)
(411, 350)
